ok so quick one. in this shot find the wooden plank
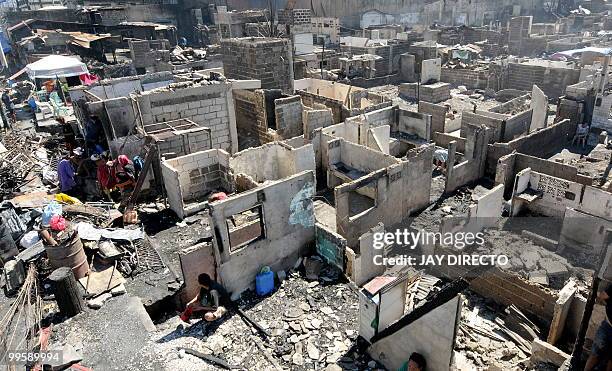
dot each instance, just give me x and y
(100, 282)
(151, 150)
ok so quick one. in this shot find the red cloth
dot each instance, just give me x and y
(186, 314)
(88, 79)
(104, 177)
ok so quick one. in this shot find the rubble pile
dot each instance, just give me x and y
(311, 325)
(485, 339)
(29, 163)
(179, 54)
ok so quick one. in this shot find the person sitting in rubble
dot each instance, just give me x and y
(582, 133)
(602, 343)
(211, 299)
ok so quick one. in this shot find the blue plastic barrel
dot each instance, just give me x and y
(264, 283)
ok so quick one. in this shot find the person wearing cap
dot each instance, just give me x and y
(103, 174)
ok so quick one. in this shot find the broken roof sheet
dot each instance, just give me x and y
(570, 53)
(19, 25)
(378, 283)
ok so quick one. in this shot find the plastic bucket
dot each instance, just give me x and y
(264, 283)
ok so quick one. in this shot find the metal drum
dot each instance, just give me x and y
(69, 254)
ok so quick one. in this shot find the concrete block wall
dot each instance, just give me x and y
(473, 167)
(551, 80)
(267, 59)
(570, 109)
(438, 115)
(120, 115)
(184, 143)
(508, 166)
(289, 229)
(584, 234)
(188, 178)
(432, 335)
(272, 161)
(360, 267)
(316, 118)
(288, 112)
(209, 106)
(530, 46)
(519, 28)
(542, 143)
(495, 121)
(472, 79)
(358, 157)
(246, 112)
(399, 190)
(414, 123)
(557, 194)
(141, 51)
(517, 125)
(507, 288)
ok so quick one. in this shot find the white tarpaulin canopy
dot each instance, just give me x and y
(53, 66)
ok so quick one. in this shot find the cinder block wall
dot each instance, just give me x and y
(260, 58)
(209, 105)
(438, 115)
(188, 178)
(552, 81)
(288, 112)
(541, 143)
(272, 161)
(314, 119)
(184, 143)
(470, 78)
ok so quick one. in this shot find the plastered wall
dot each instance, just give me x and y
(289, 226)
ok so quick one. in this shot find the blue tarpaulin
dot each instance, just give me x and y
(6, 46)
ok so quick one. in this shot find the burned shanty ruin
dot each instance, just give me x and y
(306, 185)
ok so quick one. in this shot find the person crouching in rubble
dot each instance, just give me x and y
(210, 299)
(66, 173)
(103, 174)
(125, 178)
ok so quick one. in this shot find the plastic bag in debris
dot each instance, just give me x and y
(52, 208)
(29, 239)
(88, 231)
(58, 223)
(50, 175)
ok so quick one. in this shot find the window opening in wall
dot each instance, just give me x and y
(362, 199)
(245, 227)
